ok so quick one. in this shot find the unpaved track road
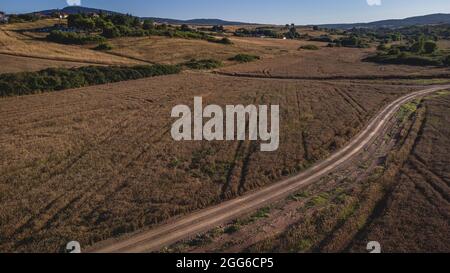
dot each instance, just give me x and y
(204, 220)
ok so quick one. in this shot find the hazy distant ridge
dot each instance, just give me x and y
(78, 9)
(432, 19)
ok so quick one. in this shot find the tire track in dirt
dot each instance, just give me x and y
(82, 199)
(66, 166)
(204, 219)
(355, 77)
(428, 192)
(434, 181)
(359, 112)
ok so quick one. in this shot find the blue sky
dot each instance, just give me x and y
(258, 11)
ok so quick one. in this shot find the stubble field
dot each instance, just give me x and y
(98, 162)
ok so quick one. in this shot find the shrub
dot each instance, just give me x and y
(446, 60)
(54, 79)
(309, 47)
(203, 64)
(430, 47)
(324, 39)
(103, 47)
(225, 40)
(73, 38)
(111, 31)
(244, 58)
(406, 59)
(382, 47)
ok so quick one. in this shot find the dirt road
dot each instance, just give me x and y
(184, 227)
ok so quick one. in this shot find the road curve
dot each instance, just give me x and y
(203, 220)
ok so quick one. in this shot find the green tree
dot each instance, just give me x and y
(148, 24)
(430, 47)
(419, 45)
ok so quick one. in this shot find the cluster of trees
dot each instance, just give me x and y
(20, 18)
(73, 38)
(258, 32)
(353, 41)
(54, 79)
(292, 32)
(421, 52)
(119, 25)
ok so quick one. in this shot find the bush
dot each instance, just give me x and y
(352, 41)
(446, 61)
(203, 64)
(62, 37)
(54, 79)
(324, 39)
(430, 47)
(225, 41)
(103, 47)
(110, 31)
(309, 47)
(244, 58)
(406, 59)
(382, 47)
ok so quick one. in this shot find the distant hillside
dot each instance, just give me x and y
(432, 19)
(79, 9)
(76, 10)
(197, 21)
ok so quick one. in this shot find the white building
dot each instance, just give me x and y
(3, 17)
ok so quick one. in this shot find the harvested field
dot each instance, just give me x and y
(327, 63)
(396, 194)
(106, 154)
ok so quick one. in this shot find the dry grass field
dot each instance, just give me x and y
(107, 155)
(98, 162)
(174, 51)
(396, 193)
(13, 64)
(16, 41)
(327, 62)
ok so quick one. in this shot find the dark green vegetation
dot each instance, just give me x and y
(21, 18)
(352, 40)
(103, 47)
(73, 38)
(55, 79)
(309, 47)
(258, 32)
(421, 52)
(88, 29)
(244, 58)
(203, 64)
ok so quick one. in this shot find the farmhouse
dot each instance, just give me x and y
(3, 17)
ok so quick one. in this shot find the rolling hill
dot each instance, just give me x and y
(79, 9)
(431, 19)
